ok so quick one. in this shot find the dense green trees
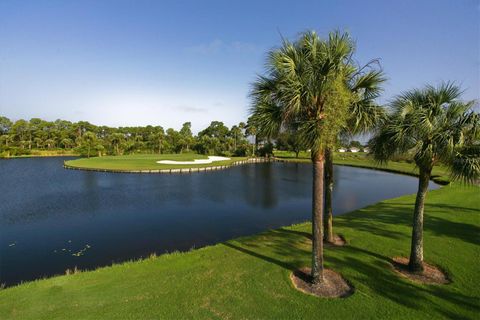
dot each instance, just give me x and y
(22, 136)
(431, 125)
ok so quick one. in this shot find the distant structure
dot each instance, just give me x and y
(354, 150)
(366, 150)
(342, 150)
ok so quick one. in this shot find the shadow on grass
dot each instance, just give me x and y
(384, 220)
(370, 272)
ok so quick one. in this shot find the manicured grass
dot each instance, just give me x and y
(359, 159)
(144, 162)
(249, 277)
(290, 154)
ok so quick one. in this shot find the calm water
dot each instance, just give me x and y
(52, 219)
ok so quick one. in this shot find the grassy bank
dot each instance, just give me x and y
(363, 160)
(144, 162)
(249, 277)
(41, 153)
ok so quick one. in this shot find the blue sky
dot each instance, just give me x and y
(167, 62)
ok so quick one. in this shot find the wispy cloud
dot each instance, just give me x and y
(190, 109)
(216, 46)
(207, 48)
(244, 47)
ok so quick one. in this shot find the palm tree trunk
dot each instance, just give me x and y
(416, 253)
(328, 214)
(317, 217)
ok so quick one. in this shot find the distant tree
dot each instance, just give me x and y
(89, 141)
(217, 134)
(67, 143)
(20, 132)
(174, 140)
(251, 130)
(157, 140)
(5, 125)
(290, 140)
(116, 139)
(50, 143)
(186, 137)
(99, 148)
(6, 139)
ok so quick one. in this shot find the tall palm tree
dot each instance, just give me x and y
(434, 126)
(304, 86)
(365, 84)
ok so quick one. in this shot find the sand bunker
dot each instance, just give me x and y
(196, 161)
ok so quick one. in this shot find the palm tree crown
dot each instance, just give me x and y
(434, 126)
(305, 87)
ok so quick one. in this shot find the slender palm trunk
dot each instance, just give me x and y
(416, 253)
(328, 214)
(317, 217)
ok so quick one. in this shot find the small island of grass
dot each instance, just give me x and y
(146, 162)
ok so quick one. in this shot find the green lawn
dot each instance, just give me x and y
(144, 162)
(249, 277)
(364, 160)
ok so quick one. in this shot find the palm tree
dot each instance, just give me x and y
(305, 87)
(364, 115)
(89, 138)
(434, 126)
(116, 139)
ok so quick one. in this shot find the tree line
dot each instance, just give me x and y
(22, 137)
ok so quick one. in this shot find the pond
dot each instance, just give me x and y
(53, 219)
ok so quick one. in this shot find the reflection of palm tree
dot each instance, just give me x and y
(432, 125)
(305, 86)
(268, 185)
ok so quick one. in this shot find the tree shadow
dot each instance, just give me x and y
(383, 220)
(370, 272)
(285, 265)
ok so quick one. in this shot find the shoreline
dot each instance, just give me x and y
(173, 170)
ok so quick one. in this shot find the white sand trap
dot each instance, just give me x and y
(196, 161)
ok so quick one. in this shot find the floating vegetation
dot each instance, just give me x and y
(75, 254)
(81, 252)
